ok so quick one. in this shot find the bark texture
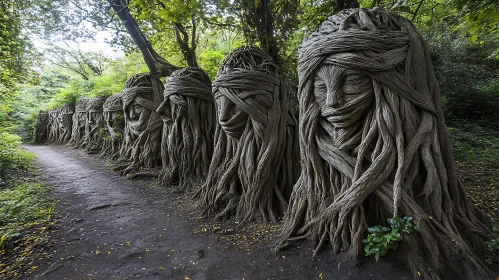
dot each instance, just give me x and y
(141, 146)
(64, 124)
(53, 126)
(374, 145)
(115, 124)
(94, 125)
(253, 168)
(42, 123)
(79, 123)
(188, 113)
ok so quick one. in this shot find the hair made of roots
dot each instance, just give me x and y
(79, 123)
(189, 118)
(114, 122)
(94, 125)
(141, 145)
(64, 124)
(53, 126)
(374, 145)
(254, 141)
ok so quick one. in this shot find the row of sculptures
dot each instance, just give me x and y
(370, 143)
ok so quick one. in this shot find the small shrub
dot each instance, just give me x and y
(380, 239)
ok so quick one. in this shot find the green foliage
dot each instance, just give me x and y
(381, 239)
(473, 144)
(22, 205)
(493, 244)
(14, 163)
(23, 199)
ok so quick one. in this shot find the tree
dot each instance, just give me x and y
(84, 64)
(158, 66)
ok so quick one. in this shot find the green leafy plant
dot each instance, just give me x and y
(380, 239)
(494, 242)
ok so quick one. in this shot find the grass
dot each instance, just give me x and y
(26, 208)
(476, 150)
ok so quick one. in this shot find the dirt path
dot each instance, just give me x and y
(109, 227)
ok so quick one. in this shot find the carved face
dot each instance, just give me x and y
(64, 121)
(135, 112)
(231, 118)
(115, 120)
(344, 98)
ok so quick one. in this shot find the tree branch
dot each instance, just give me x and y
(158, 66)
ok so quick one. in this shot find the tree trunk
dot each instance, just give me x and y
(265, 30)
(182, 36)
(158, 66)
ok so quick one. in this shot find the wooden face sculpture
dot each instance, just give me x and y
(374, 144)
(94, 124)
(65, 124)
(79, 123)
(114, 123)
(141, 96)
(188, 113)
(246, 177)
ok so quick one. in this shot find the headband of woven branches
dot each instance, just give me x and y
(245, 177)
(113, 103)
(81, 105)
(187, 146)
(95, 105)
(374, 145)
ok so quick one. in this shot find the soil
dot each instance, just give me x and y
(111, 227)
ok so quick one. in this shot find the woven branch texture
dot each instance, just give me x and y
(64, 124)
(53, 126)
(141, 97)
(374, 145)
(114, 122)
(252, 171)
(79, 123)
(188, 113)
(94, 124)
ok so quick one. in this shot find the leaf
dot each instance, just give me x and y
(473, 38)
(373, 229)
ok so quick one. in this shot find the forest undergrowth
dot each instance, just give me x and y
(26, 210)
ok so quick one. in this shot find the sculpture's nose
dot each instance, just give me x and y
(133, 114)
